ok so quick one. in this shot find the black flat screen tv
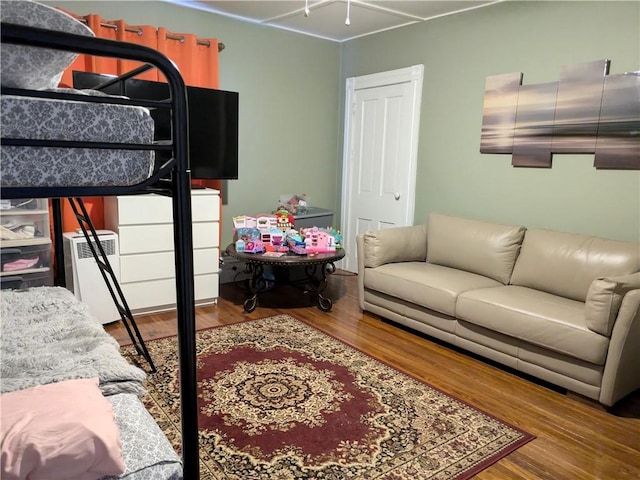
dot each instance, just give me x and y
(213, 122)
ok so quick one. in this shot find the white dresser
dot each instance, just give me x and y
(144, 224)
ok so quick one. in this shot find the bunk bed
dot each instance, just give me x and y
(38, 165)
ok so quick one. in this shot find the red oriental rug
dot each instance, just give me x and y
(280, 400)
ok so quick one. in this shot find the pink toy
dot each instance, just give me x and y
(298, 250)
(318, 241)
(252, 246)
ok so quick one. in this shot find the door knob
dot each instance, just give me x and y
(396, 196)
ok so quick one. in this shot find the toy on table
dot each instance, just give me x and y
(284, 220)
(277, 241)
(318, 241)
(295, 241)
(248, 240)
(250, 246)
(336, 234)
(275, 233)
(298, 250)
(244, 221)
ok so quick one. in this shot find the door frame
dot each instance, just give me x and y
(413, 75)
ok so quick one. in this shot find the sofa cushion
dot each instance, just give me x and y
(431, 286)
(565, 264)
(400, 244)
(485, 248)
(549, 321)
(604, 299)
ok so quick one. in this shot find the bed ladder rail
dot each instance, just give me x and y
(110, 279)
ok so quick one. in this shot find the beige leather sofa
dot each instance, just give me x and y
(559, 306)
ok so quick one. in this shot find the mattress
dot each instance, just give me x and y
(147, 453)
(55, 119)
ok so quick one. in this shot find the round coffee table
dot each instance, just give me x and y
(316, 267)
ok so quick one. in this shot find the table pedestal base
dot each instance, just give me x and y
(315, 281)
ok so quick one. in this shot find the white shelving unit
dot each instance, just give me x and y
(144, 224)
(35, 251)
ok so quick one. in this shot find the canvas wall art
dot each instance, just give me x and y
(586, 111)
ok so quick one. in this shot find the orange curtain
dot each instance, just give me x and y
(197, 60)
(141, 35)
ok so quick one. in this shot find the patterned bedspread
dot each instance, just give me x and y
(53, 119)
(47, 336)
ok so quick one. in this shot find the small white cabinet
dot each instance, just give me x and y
(144, 224)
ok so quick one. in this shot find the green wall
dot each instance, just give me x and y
(292, 106)
(459, 52)
(289, 87)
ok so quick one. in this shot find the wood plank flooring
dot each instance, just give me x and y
(577, 439)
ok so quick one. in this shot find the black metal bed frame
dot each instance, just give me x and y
(178, 186)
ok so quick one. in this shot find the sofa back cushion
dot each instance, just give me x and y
(485, 248)
(566, 264)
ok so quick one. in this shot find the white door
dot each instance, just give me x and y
(380, 149)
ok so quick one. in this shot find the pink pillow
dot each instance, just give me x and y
(59, 431)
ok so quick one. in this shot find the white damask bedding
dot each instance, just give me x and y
(148, 455)
(53, 119)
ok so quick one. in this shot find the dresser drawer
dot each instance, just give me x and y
(160, 294)
(27, 280)
(160, 265)
(159, 238)
(25, 259)
(152, 209)
(28, 227)
(205, 207)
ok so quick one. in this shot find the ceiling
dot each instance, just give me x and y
(327, 18)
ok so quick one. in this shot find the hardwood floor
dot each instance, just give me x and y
(576, 438)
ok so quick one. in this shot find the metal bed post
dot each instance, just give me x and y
(59, 278)
(183, 242)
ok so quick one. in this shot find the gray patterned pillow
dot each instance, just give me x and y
(30, 67)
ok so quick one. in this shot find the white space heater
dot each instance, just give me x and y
(83, 275)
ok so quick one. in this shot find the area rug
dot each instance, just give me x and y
(280, 400)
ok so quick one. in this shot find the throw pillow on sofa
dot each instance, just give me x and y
(604, 299)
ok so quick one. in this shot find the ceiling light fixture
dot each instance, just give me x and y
(347, 22)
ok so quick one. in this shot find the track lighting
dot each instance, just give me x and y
(347, 21)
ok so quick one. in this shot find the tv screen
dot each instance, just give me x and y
(213, 122)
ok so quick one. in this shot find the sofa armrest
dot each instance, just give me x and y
(399, 244)
(604, 299)
(621, 374)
